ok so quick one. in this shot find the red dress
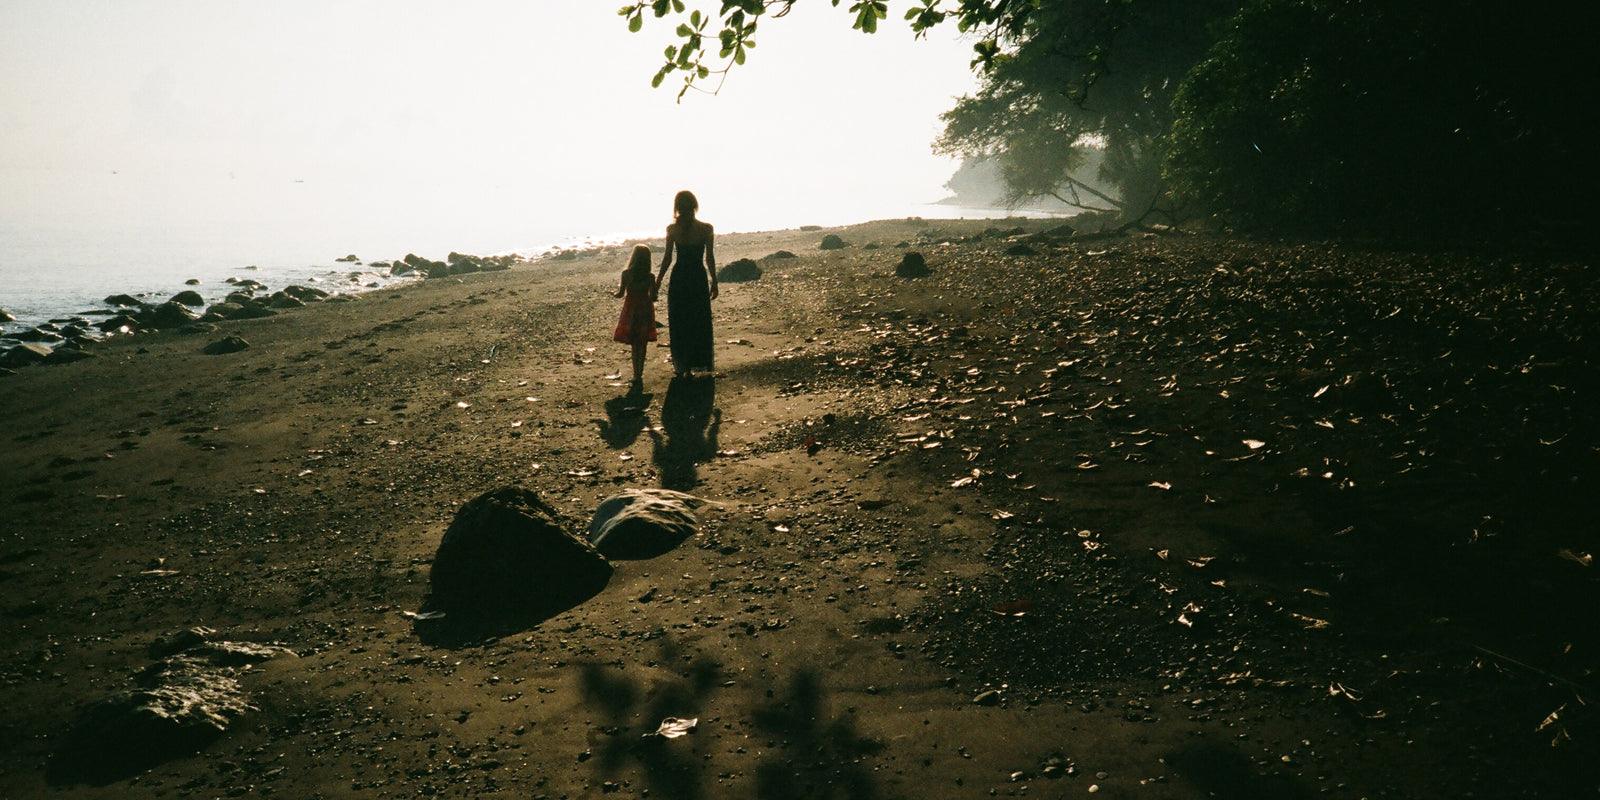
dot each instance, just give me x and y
(637, 324)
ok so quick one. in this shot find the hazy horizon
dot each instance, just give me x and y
(218, 130)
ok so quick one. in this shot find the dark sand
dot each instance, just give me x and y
(1371, 602)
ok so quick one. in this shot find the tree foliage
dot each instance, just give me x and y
(1272, 113)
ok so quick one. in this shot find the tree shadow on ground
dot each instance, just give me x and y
(815, 756)
(671, 767)
(690, 422)
(625, 418)
(827, 753)
(1222, 771)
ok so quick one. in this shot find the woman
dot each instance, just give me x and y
(694, 284)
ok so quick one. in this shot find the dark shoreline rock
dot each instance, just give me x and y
(832, 242)
(509, 561)
(188, 297)
(225, 345)
(912, 265)
(740, 271)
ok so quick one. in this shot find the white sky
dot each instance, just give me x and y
(485, 124)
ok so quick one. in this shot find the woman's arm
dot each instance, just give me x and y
(711, 259)
(666, 263)
(622, 285)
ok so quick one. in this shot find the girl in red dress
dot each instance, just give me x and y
(637, 325)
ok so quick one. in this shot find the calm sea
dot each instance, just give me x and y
(52, 271)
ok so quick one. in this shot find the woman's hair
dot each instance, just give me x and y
(640, 260)
(684, 205)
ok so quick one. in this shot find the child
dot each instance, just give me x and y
(637, 325)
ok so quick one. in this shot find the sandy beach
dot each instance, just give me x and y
(1145, 517)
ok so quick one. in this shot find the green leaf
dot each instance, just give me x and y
(635, 23)
(655, 83)
(694, 19)
(677, 6)
(738, 56)
(684, 30)
(671, 52)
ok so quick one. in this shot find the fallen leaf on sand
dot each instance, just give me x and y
(1162, 485)
(1254, 444)
(422, 616)
(673, 727)
(1581, 559)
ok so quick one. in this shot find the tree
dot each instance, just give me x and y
(1059, 79)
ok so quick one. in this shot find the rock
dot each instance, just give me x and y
(811, 227)
(348, 259)
(250, 285)
(67, 355)
(192, 282)
(1021, 249)
(989, 698)
(399, 268)
(38, 335)
(741, 271)
(221, 311)
(138, 728)
(305, 294)
(464, 267)
(284, 300)
(168, 315)
(123, 300)
(912, 265)
(178, 706)
(508, 553)
(256, 311)
(225, 345)
(241, 298)
(871, 246)
(180, 640)
(1062, 231)
(6, 316)
(778, 255)
(832, 242)
(189, 298)
(118, 322)
(643, 523)
(24, 354)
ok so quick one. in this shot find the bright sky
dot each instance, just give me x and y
(483, 124)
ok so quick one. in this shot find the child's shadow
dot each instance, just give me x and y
(625, 418)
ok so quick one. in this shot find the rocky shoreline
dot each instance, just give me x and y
(69, 338)
(971, 509)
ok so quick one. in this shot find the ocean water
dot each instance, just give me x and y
(59, 270)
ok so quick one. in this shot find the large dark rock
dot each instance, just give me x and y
(189, 297)
(24, 354)
(192, 282)
(832, 242)
(284, 300)
(778, 255)
(168, 315)
(912, 265)
(643, 523)
(349, 259)
(305, 294)
(38, 335)
(123, 300)
(740, 271)
(67, 355)
(225, 345)
(6, 316)
(118, 322)
(177, 707)
(509, 556)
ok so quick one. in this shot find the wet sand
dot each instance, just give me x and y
(1160, 517)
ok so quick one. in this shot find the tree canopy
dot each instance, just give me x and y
(1267, 113)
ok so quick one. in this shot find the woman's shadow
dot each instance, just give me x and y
(625, 418)
(688, 433)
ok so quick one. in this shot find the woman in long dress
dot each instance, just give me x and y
(694, 284)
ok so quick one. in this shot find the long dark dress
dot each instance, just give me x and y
(689, 309)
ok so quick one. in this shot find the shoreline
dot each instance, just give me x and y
(1055, 514)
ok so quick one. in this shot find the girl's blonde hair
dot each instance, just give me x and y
(640, 260)
(639, 265)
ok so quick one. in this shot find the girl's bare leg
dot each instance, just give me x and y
(638, 361)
